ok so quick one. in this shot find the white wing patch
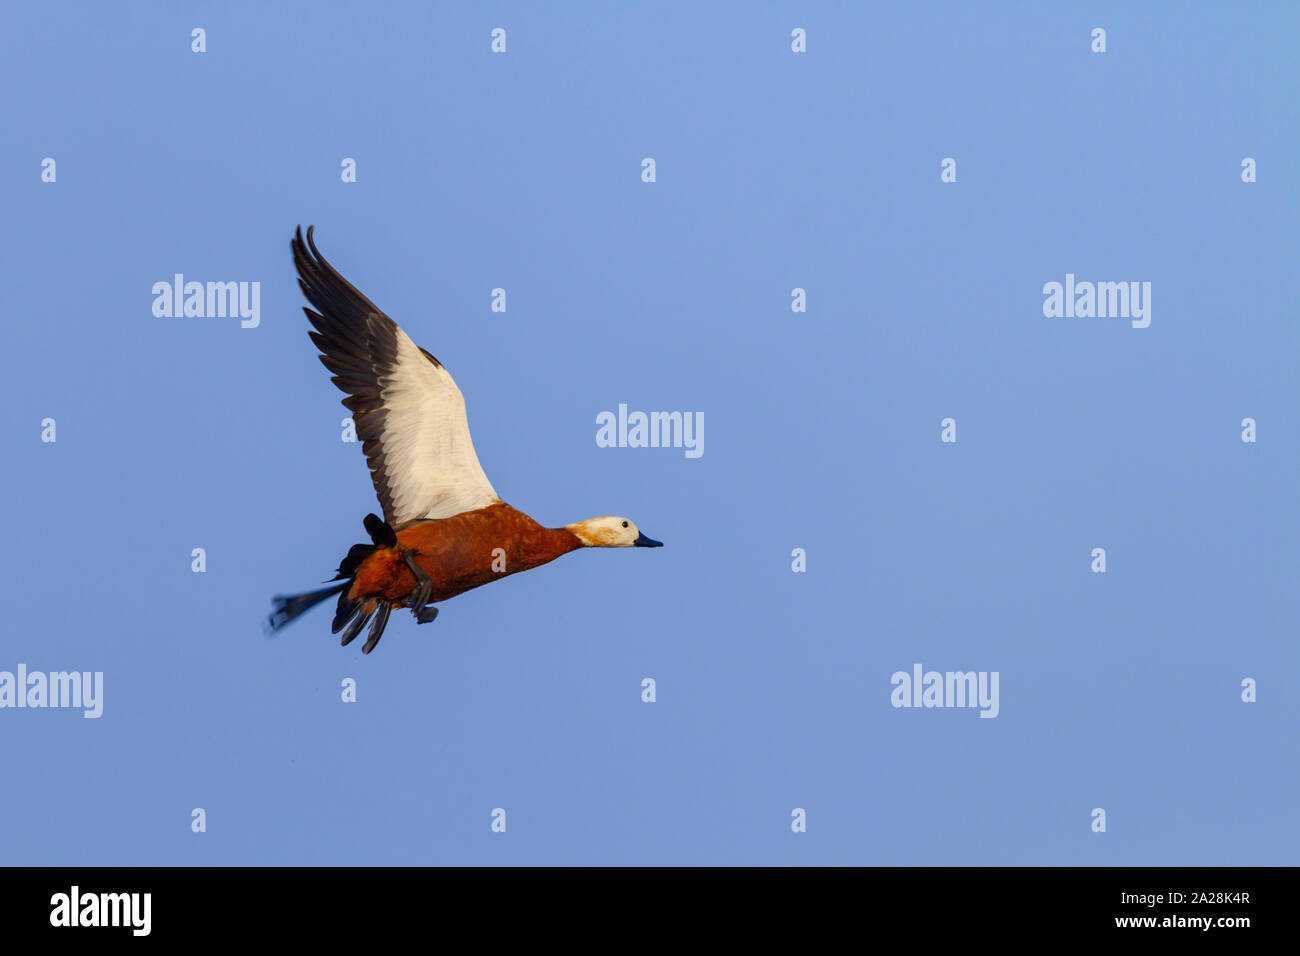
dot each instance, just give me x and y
(429, 457)
(408, 412)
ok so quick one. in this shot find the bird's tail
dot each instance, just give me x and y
(352, 614)
(287, 607)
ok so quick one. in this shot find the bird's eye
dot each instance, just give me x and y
(624, 524)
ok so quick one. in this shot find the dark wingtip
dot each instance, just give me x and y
(299, 245)
(311, 244)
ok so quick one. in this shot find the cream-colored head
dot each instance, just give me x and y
(611, 533)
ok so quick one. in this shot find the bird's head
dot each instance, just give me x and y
(611, 533)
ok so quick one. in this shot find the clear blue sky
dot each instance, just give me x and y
(774, 171)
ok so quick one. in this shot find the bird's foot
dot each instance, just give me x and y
(419, 599)
(423, 583)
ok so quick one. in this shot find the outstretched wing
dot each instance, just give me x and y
(408, 412)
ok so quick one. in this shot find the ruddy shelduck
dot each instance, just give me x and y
(444, 529)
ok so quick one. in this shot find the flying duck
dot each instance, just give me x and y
(444, 530)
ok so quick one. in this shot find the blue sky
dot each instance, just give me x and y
(774, 171)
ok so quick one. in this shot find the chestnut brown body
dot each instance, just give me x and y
(459, 553)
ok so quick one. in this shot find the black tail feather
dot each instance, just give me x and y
(377, 628)
(343, 613)
(355, 627)
(287, 607)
